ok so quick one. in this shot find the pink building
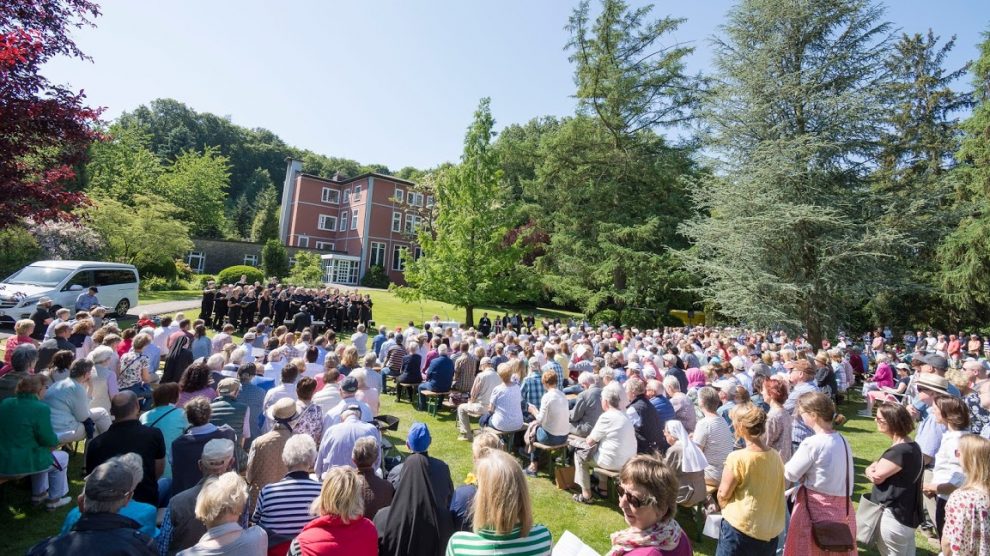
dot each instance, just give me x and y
(358, 222)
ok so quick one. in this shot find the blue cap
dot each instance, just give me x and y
(419, 438)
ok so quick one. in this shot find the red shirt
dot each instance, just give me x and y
(328, 535)
(13, 342)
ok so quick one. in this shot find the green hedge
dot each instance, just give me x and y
(232, 274)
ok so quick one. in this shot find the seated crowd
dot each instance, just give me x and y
(271, 444)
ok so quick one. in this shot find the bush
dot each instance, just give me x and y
(154, 284)
(183, 270)
(232, 274)
(275, 259)
(607, 316)
(308, 271)
(161, 266)
(376, 277)
(204, 279)
(18, 248)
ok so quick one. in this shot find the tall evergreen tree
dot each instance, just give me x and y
(610, 187)
(965, 254)
(467, 260)
(797, 106)
(265, 225)
(923, 135)
(240, 218)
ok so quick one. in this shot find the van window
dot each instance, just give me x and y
(83, 278)
(113, 277)
(38, 276)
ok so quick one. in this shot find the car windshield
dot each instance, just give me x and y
(38, 276)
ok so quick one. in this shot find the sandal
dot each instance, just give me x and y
(580, 499)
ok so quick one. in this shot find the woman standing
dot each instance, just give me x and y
(823, 467)
(967, 529)
(502, 515)
(234, 307)
(947, 475)
(264, 304)
(281, 308)
(751, 493)
(778, 435)
(895, 478)
(249, 304)
(647, 498)
(219, 308)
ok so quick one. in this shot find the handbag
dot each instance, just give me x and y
(868, 516)
(564, 477)
(832, 536)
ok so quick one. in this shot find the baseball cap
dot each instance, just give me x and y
(109, 482)
(228, 385)
(217, 453)
(936, 361)
(419, 438)
(349, 384)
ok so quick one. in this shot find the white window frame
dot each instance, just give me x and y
(250, 260)
(396, 221)
(347, 195)
(417, 253)
(326, 196)
(199, 257)
(357, 192)
(302, 241)
(343, 220)
(398, 264)
(321, 223)
(292, 261)
(325, 246)
(354, 220)
(379, 247)
(400, 195)
(429, 201)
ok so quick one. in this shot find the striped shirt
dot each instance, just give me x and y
(489, 543)
(283, 507)
(714, 437)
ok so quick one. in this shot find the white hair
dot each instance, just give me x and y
(612, 394)
(101, 354)
(135, 465)
(215, 362)
(442, 349)
(237, 355)
(586, 378)
(671, 384)
(300, 450)
(220, 496)
(414, 346)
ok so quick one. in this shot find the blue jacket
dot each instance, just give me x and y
(440, 374)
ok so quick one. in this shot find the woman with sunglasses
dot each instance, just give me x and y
(967, 530)
(895, 478)
(648, 500)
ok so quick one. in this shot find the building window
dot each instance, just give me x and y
(412, 223)
(400, 196)
(196, 261)
(415, 199)
(302, 241)
(347, 196)
(396, 221)
(354, 220)
(330, 196)
(251, 260)
(328, 223)
(378, 254)
(343, 221)
(325, 245)
(292, 261)
(398, 263)
(429, 201)
(417, 253)
(357, 192)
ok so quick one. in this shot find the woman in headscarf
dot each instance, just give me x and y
(413, 525)
(179, 358)
(688, 462)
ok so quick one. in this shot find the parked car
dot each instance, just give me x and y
(63, 281)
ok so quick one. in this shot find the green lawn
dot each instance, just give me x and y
(147, 298)
(26, 525)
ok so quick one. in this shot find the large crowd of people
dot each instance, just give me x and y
(272, 443)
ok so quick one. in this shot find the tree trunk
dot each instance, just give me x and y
(469, 315)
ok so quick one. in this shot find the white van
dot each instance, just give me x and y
(63, 281)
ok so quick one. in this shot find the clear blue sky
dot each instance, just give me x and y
(391, 82)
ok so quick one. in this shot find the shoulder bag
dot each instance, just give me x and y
(832, 536)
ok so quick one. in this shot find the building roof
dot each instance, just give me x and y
(358, 177)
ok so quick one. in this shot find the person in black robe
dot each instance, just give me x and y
(249, 304)
(413, 525)
(264, 305)
(366, 310)
(485, 325)
(219, 309)
(281, 307)
(341, 313)
(178, 360)
(302, 319)
(206, 307)
(234, 308)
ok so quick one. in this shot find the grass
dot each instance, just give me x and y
(147, 298)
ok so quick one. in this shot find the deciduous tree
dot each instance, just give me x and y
(197, 184)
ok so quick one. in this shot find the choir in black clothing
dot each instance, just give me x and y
(245, 305)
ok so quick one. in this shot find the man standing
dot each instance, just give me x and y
(481, 394)
(42, 318)
(126, 435)
(485, 325)
(302, 319)
(101, 529)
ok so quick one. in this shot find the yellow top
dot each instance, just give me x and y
(756, 507)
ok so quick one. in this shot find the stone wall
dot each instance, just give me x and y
(220, 254)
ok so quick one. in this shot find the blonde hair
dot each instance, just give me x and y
(483, 442)
(23, 327)
(505, 372)
(220, 496)
(350, 358)
(341, 495)
(749, 421)
(502, 502)
(974, 455)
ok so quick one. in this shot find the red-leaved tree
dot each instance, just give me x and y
(44, 128)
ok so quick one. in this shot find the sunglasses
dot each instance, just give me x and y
(633, 500)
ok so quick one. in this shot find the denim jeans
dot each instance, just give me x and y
(732, 541)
